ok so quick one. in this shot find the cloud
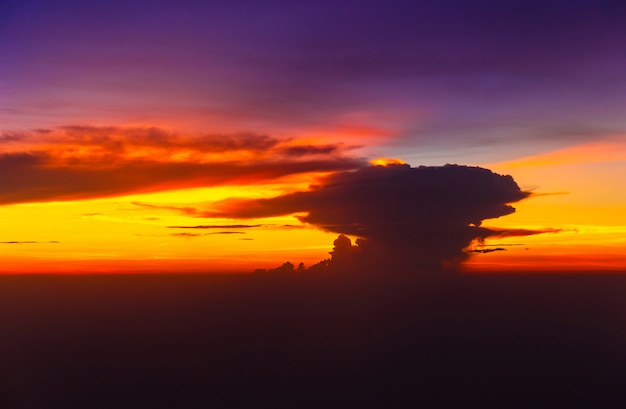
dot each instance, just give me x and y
(185, 234)
(223, 226)
(74, 163)
(116, 139)
(10, 137)
(189, 235)
(407, 218)
(488, 250)
(187, 210)
(30, 242)
(502, 233)
(374, 197)
(304, 150)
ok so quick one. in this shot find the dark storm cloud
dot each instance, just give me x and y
(374, 197)
(407, 217)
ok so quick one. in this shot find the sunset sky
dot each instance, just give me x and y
(131, 130)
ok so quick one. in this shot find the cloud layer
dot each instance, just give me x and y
(87, 162)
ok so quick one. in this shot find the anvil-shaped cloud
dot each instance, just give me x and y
(406, 217)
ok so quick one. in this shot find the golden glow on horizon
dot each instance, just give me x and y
(387, 162)
(114, 234)
(578, 190)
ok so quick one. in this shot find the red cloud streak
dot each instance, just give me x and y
(83, 163)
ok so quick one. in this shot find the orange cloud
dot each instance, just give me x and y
(88, 162)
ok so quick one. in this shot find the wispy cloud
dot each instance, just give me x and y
(30, 242)
(188, 235)
(185, 234)
(223, 226)
(487, 250)
(503, 233)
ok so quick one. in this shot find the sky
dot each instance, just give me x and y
(133, 133)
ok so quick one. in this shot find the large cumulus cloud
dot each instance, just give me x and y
(423, 217)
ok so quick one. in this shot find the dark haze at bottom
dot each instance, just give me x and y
(243, 341)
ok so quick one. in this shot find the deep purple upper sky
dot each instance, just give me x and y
(444, 81)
